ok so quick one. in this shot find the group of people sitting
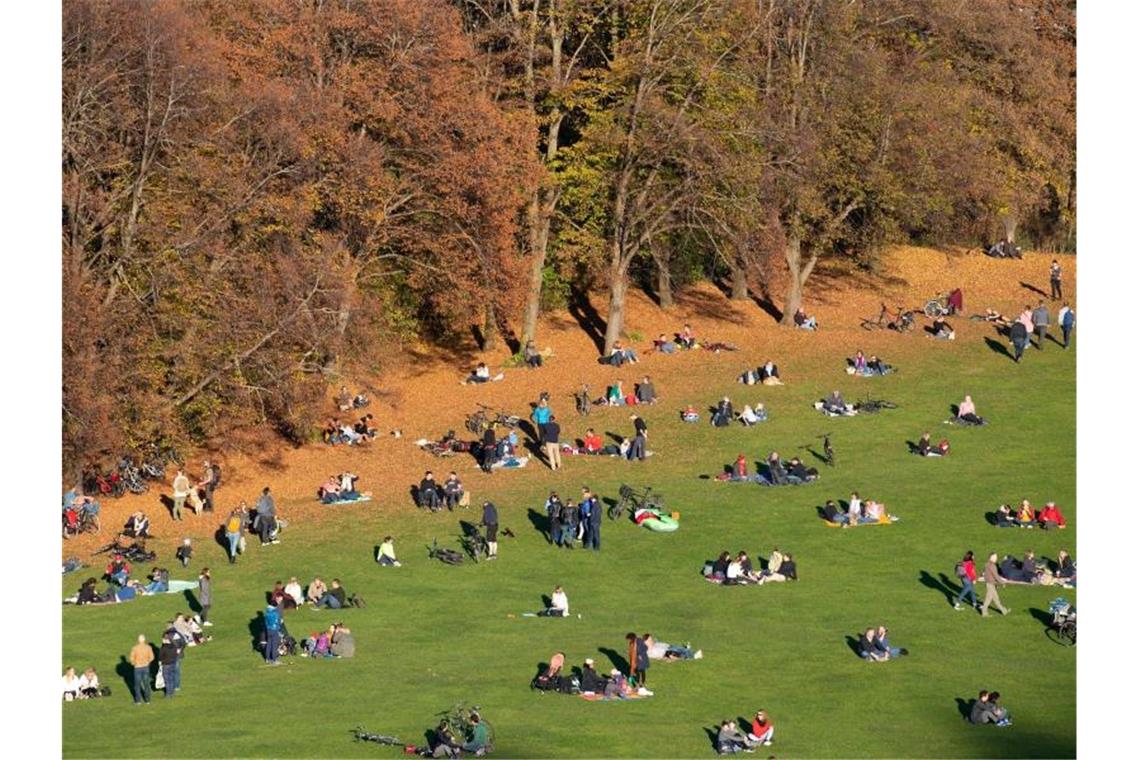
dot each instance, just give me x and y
(987, 710)
(291, 595)
(862, 366)
(339, 488)
(765, 374)
(858, 512)
(1049, 518)
(352, 433)
(738, 571)
(835, 406)
(497, 451)
(927, 448)
(643, 393)
(619, 356)
(346, 401)
(1039, 572)
(336, 641)
(433, 496)
(481, 374)
(686, 339)
(724, 415)
(730, 739)
(874, 646)
(791, 472)
(85, 686)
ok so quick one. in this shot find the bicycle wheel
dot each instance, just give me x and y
(932, 308)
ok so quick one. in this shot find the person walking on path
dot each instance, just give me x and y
(551, 431)
(1040, 323)
(168, 661)
(141, 657)
(1066, 318)
(181, 493)
(991, 577)
(967, 574)
(272, 633)
(205, 596)
(1055, 281)
(491, 521)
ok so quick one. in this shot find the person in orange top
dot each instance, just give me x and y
(740, 469)
(762, 729)
(1051, 517)
(141, 657)
(1025, 514)
(592, 442)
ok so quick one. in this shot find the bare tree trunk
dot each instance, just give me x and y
(739, 280)
(798, 275)
(615, 317)
(1010, 225)
(490, 329)
(664, 283)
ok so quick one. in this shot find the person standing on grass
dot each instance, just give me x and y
(272, 633)
(593, 538)
(233, 533)
(140, 657)
(491, 521)
(168, 661)
(266, 518)
(1040, 323)
(551, 431)
(642, 653)
(1019, 336)
(991, 577)
(540, 416)
(181, 487)
(1066, 317)
(205, 596)
(967, 574)
(554, 514)
(1055, 281)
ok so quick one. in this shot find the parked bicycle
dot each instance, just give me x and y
(632, 501)
(1063, 628)
(443, 554)
(360, 734)
(483, 418)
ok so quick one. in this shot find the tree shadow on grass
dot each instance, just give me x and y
(943, 585)
(587, 317)
(999, 348)
(616, 660)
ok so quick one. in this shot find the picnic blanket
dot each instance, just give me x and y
(594, 697)
(510, 463)
(357, 500)
(884, 520)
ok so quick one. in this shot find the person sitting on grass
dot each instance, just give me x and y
(559, 604)
(941, 329)
(798, 472)
(718, 569)
(89, 685)
(739, 469)
(833, 513)
(769, 373)
(967, 414)
(926, 448)
(1026, 516)
(875, 512)
(294, 592)
(730, 740)
(762, 729)
(687, 338)
(341, 641)
(614, 394)
(690, 414)
(1005, 517)
(878, 366)
(428, 492)
(834, 404)
(481, 374)
(317, 645)
(592, 443)
(868, 649)
(1050, 517)
(531, 355)
(645, 392)
(620, 355)
(138, 526)
(70, 685)
(859, 364)
(592, 681)
(334, 598)
(364, 429)
(723, 415)
(1066, 567)
(616, 686)
(750, 416)
(803, 321)
(664, 345)
(883, 645)
(734, 573)
(987, 710)
(747, 571)
(777, 475)
(118, 570)
(476, 736)
(329, 492)
(386, 555)
(159, 578)
(452, 491)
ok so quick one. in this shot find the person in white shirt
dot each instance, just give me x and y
(89, 683)
(559, 604)
(854, 509)
(293, 590)
(735, 572)
(70, 685)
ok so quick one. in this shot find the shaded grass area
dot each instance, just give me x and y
(434, 635)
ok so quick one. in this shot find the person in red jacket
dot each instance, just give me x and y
(967, 574)
(1051, 517)
(118, 570)
(592, 443)
(740, 469)
(762, 729)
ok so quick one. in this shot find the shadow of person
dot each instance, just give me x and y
(998, 348)
(125, 670)
(1041, 616)
(192, 600)
(965, 707)
(540, 521)
(257, 632)
(712, 733)
(616, 659)
(853, 644)
(928, 580)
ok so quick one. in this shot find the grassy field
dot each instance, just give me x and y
(433, 635)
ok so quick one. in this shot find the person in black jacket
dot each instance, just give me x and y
(1020, 338)
(491, 520)
(489, 447)
(428, 493)
(723, 416)
(569, 519)
(592, 680)
(168, 661)
(776, 473)
(594, 533)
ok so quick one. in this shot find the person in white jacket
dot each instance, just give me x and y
(70, 685)
(559, 604)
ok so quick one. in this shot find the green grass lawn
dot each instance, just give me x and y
(433, 635)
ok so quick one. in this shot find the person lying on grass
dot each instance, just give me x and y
(659, 650)
(798, 472)
(620, 355)
(664, 345)
(803, 321)
(690, 414)
(986, 710)
(926, 448)
(967, 413)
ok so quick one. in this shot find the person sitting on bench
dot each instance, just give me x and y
(723, 415)
(428, 492)
(803, 321)
(968, 414)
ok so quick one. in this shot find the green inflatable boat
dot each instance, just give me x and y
(655, 520)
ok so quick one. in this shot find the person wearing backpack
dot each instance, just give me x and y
(967, 573)
(233, 534)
